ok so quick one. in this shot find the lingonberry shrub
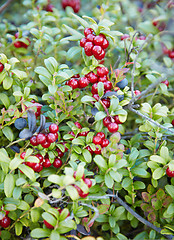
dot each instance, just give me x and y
(86, 120)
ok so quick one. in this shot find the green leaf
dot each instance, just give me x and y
(100, 87)
(112, 160)
(23, 205)
(158, 159)
(89, 137)
(8, 133)
(9, 185)
(78, 141)
(54, 235)
(5, 100)
(43, 72)
(54, 179)
(20, 74)
(49, 218)
(81, 20)
(100, 115)
(73, 52)
(116, 175)
(35, 215)
(18, 228)
(101, 162)
(72, 192)
(114, 104)
(158, 173)
(15, 163)
(40, 233)
(28, 172)
(87, 99)
(75, 33)
(170, 190)
(108, 180)
(139, 185)
(4, 156)
(164, 153)
(87, 155)
(7, 83)
(127, 182)
(49, 66)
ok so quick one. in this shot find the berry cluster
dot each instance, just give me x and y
(87, 181)
(112, 123)
(94, 45)
(159, 25)
(75, 4)
(168, 52)
(45, 139)
(100, 141)
(1, 67)
(20, 44)
(5, 221)
(77, 82)
(84, 134)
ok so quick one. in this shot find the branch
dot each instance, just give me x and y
(5, 5)
(96, 215)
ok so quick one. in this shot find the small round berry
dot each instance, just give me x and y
(78, 125)
(51, 137)
(82, 42)
(171, 54)
(84, 134)
(107, 85)
(97, 140)
(20, 123)
(173, 122)
(57, 162)
(112, 127)
(75, 173)
(166, 82)
(123, 83)
(105, 143)
(1, 67)
(102, 71)
(48, 225)
(94, 88)
(41, 138)
(56, 136)
(98, 40)
(37, 167)
(46, 144)
(31, 164)
(5, 222)
(137, 92)
(88, 31)
(96, 50)
(73, 134)
(90, 38)
(83, 82)
(117, 120)
(89, 149)
(96, 96)
(88, 182)
(83, 195)
(106, 121)
(106, 102)
(73, 83)
(93, 78)
(103, 79)
(40, 157)
(169, 172)
(49, 8)
(22, 155)
(101, 135)
(97, 150)
(100, 56)
(60, 153)
(53, 128)
(80, 192)
(105, 43)
(88, 48)
(46, 163)
(76, 76)
(33, 141)
(18, 44)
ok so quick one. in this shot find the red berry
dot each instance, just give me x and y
(96, 96)
(98, 40)
(88, 31)
(46, 144)
(48, 225)
(73, 134)
(166, 82)
(88, 182)
(46, 163)
(18, 44)
(106, 102)
(40, 157)
(80, 192)
(101, 135)
(94, 88)
(63, 143)
(171, 54)
(102, 71)
(137, 92)
(112, 127)
(125, 36)
(33, 141)
(97, 150)
(78, 125)
(169, 172)
(107, 85)
(97, 140)
(49, 8)
(82, 42)
(75, 4)
(73, 83)
(90, 38)
(41, 138)
(96, 50)
(76, 76)
(105, 43)
(173, 122)
(51, 137)
(30, 164)
(100, 56)
(106, 121)
(116, 118)
(37, 167)
(5, 222)
(53, 128)
(22, 155)
(74, 175)
(93, 78)
(88, 48)
(83, 82)
(56, 135)
(60, 153)
(84, 134)
(105, 143)
(57, 162)
(103, 79)
(89, 149)
(1, 67)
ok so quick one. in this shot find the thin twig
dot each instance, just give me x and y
(96, 215)
(5, 5)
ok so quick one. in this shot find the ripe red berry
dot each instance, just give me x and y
(46, 144)
(60, 153)
(169, 172)
(106, 121)
(88, 182)
(101, 135)
(37, 167)
(49, 8)
(78, 125)
(51, 137)
(66, 149)
(94, 88)
(89, 149)
(83, 134)
(88, 31)
(75, 4)
(102, 71)
(112, 127)
(30, 164)
(48, 225)
(1, 67)
(22, 155)
(18, 44)
(80, 192)
(40, 157)
(57, 162)
(5, 222)
(107, 85)
(53, 128)
(96, 50)
(46, 162)
(76, 76)
(106, 102)
(166, 82)
(117, 120)
(137, 92)
(73, 83)
(98, 40)
(33, 141)
(74, 175)
(41, 138)
(105, 143)
(90, 38)
(96, 96)
(97, 140)
(105, 43)
(83, 82)
(171, 54)
(100, 56)
(103, 79)
(73, 134)
(82, 42)
(88, 48)
(93, 78)
(173, 122)
(97, 150)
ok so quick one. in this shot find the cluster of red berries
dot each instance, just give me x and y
(84, 134)
(94, 45)
(75, 4)
(159, 25)
(100, 141)
(19, 44)
(45, 139)
(5, 221)
(87, 181)
(1, 67)
(112, 123)
(169, 172)
(125, 36)
(168, 52)
(77, 82)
